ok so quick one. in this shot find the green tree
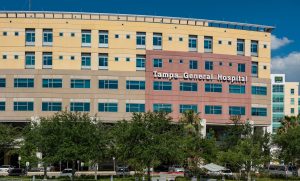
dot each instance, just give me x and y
(8, 137)
(288, 122)
(147, 140)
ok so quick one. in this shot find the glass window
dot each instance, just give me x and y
(133, 107)
(47, 37)
(209, 65)
(254, 69)
(193, 64)
(237, 89)
(85, 61)
(108, 107)
(162, 107)
(278, 108)
(292, 110)
(140, 62)
(2, 106)
(80, 83)
(108, 84)
(254, 48)
(47, 60)
(103, 61)
(292, 101)
(159, 85)
(241, 67)
(29, 60)
(213, 87)
(103, 39)
(277, 118)
(208, 43)
(23, 106)
(278, 98)
(259, 90)
(188, 86)
(80, 106)
(258, 111)
(135, 85)
(158, 63)
(212, 109)
(236, 110)
(193, 42)
(29, 37)
(23, 83)
(186, 107)
(52, 83)
(2, 82)
(86, 38)
(278, 88)
(292, 91)
(141, 40)
(51, 106)
(240, 47)
(157, 41)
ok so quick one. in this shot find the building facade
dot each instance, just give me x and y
(111, 65)
(285, 99)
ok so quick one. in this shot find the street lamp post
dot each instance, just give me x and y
(114, 162)
(19, 160)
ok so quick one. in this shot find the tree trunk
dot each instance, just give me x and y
(73, 170)
(45, 171)
(96, 171)
(249, 175)
(148, 173)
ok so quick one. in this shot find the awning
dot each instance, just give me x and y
(213, 167)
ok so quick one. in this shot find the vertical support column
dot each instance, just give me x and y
(203, 127)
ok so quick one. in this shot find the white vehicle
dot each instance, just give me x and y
(6, 168)
(66, 173)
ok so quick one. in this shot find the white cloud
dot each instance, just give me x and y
(277, 43)
(289, 65)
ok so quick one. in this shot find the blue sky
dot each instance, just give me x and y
(284, 15)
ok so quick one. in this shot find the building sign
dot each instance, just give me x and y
(199, 77)
(278, 79)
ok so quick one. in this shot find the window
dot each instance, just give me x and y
(16, 57)
(209, 65)
(141, 40)
(254, 69)
(80, 106)
(116, 36)
(72, 58)
(180, 39)
(277, 118)
(159, 85)
(240, 47)
(29, 60)
(258, 111)
(186, 107)
(116, 59)
(208, 44)
(61, 57)
(140, 62)
(47, 60)
(29, 37)
(103, 61)
(162, 107)
(292, 110)
(193, 64)
(254, 48)
(108, 107)
(23, 83)
(265, 46)
(2, 82)
(236, 110)
(108, 84)
(4, 57)
(220, 42)
(133, 107)
(85, 61)
(157, 63)
(135, 85)
(170, 61)
(278, 89)
(237, 89)
(157, 41)
(52, 83)
(4, 33)
(2, 106)
(213, 87)
(221, 63)
(16, 33)
(72, 34)
(181, 61)
(127, 59)
(259, 90)
(47, 37)
(192, 42)
(209, 109)
(265, 67)
(51, 106)
(292, 101)
(80, 83)
(23, 106)
(241, 67)
(278, 99)
(61, 34)
(127, 36)
(103, 39)
(230, 64)
(229, 43)
(86, 38)
(292, 91)
(170, 38)
(188, 86)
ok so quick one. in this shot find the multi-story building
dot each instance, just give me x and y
(285, 99)
(111, 65)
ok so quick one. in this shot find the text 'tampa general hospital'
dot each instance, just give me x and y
(111, 65)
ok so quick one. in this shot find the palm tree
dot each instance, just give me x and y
(191, 120)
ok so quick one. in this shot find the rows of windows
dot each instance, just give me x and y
(157, 40)
(259, 90)
(133, 107)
